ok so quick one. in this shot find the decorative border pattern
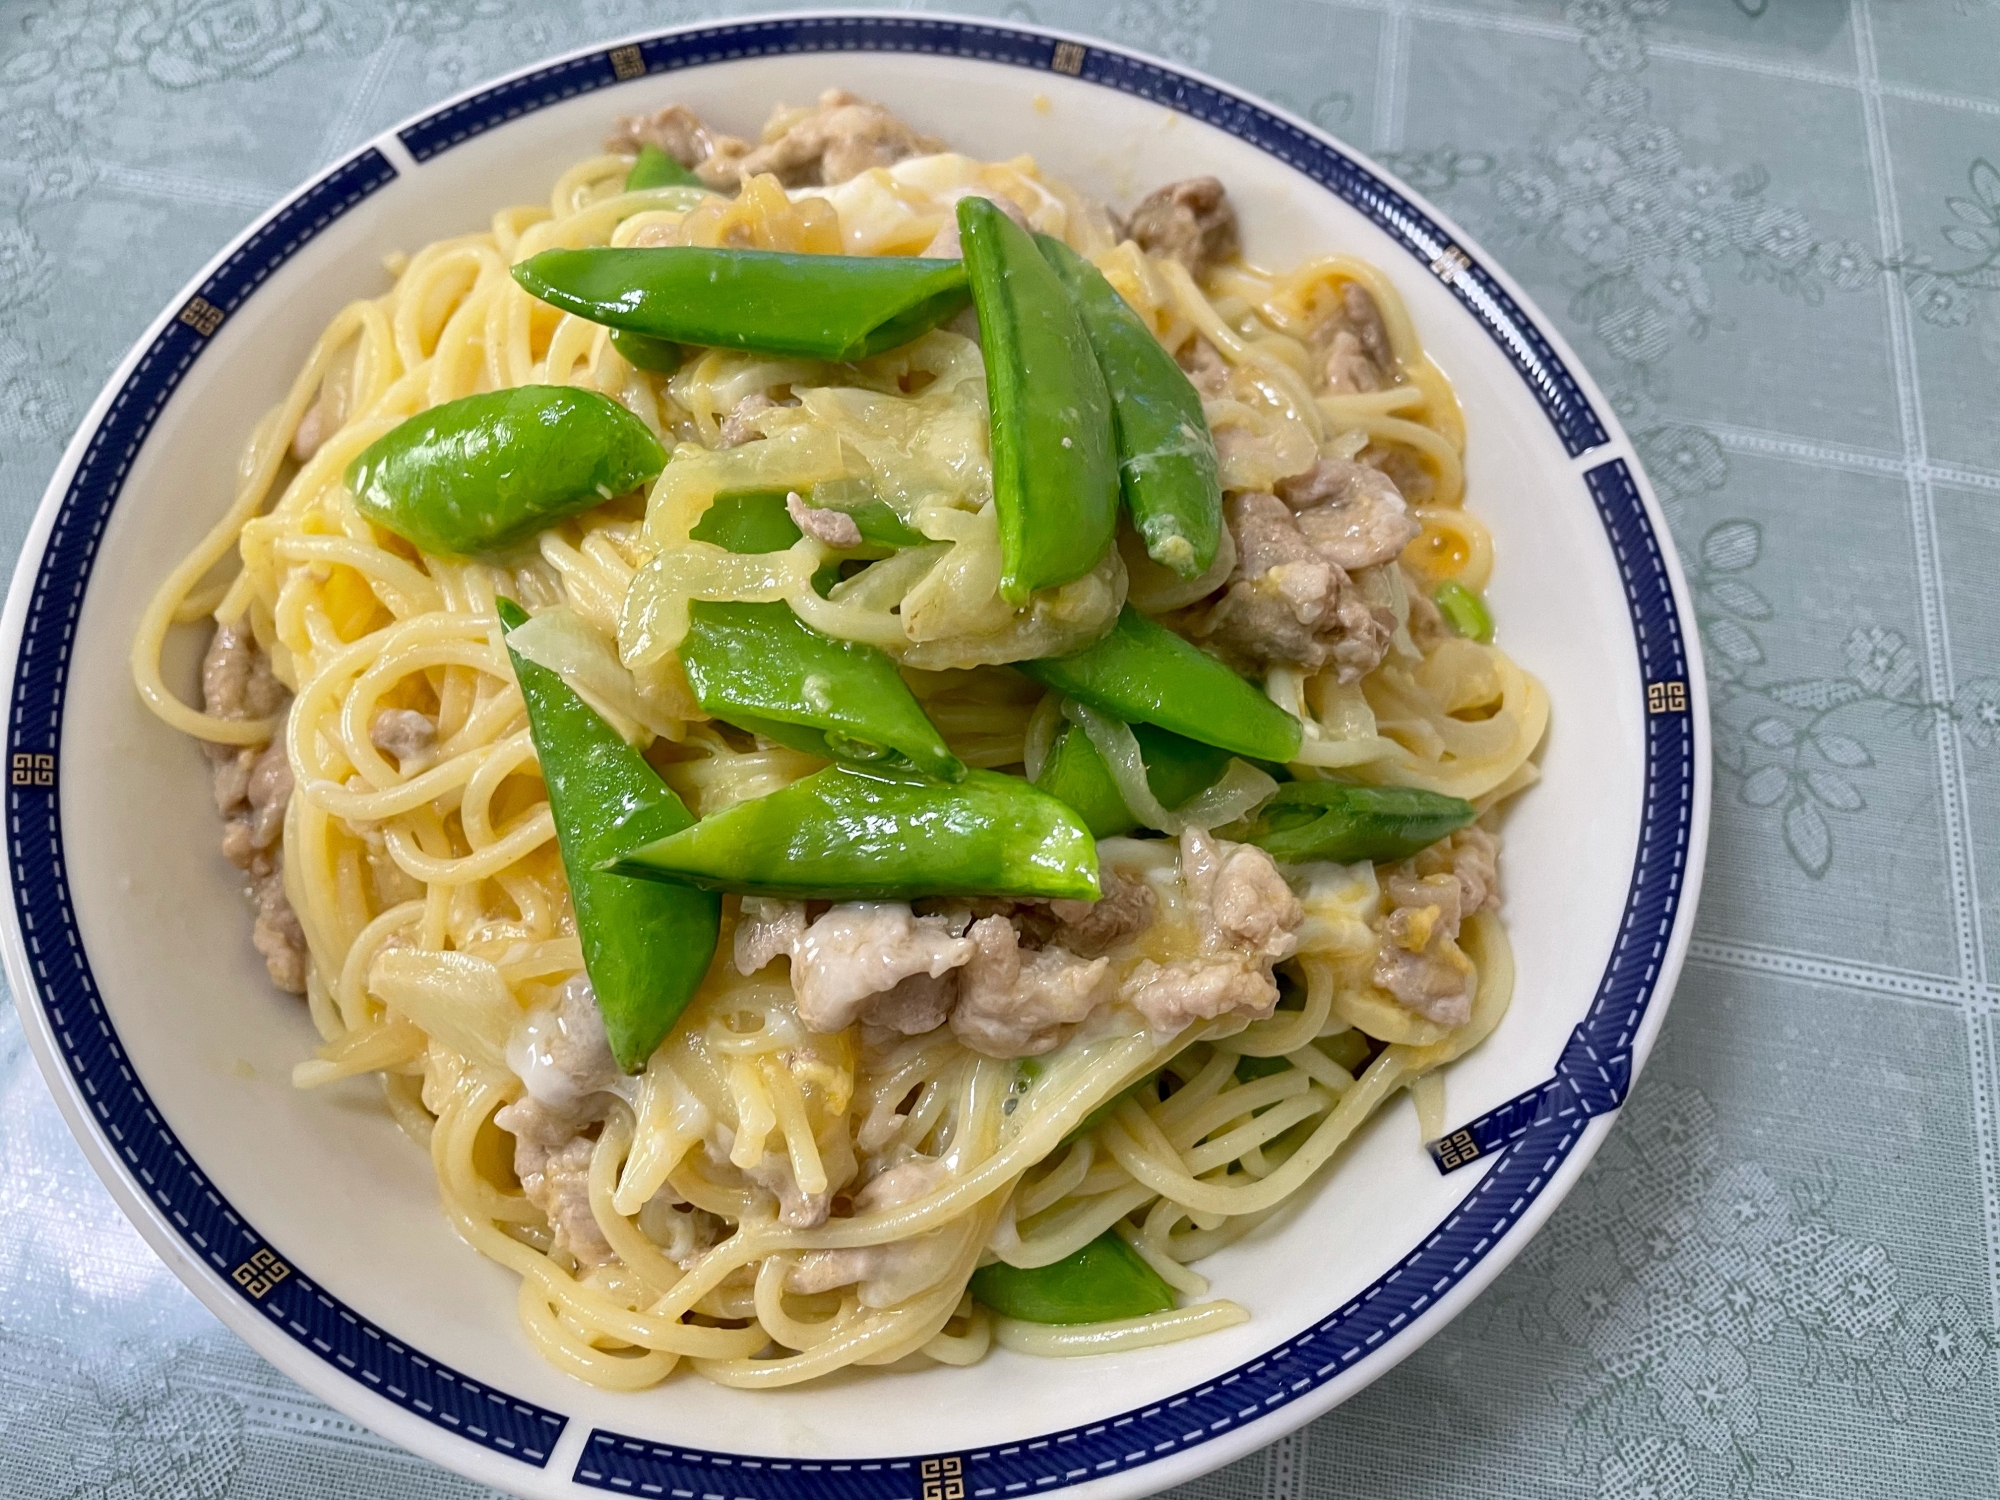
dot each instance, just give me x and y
(112, 1091)
(1530, 1136)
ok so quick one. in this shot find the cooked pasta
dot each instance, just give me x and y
(773, 1197)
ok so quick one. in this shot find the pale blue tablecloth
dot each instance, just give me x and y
(1772, 230)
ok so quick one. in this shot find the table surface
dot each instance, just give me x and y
(1771, 228)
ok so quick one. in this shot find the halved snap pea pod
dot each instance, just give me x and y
(1103, 1281)
(1166, 454)
(761, 668)
(1177, 769)
(1145, 674)
(850, 835)
(655, 168)
(645, 946)
(1463, 610)
(657, 355)
(486, 471)
(835, 307)
(1055, 462)
(1308, 820)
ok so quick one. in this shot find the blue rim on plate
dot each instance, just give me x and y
(1531, 1136)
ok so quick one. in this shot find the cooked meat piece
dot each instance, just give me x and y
(1366, 320)
(236, 678)
(405, 734)
(1089, 928)
(678, 131)
(1206, 369)
(277, 935)
(1248, 919)
(253, 787)
(1418, 959)
(1016, 1004)
(1241, 902)
(1472, 855)
(874, 961)
(893, 1272)
(1353, 516)
(1174, 996)
(844, 137)
(1189, 221)
(766, 930)
(1357, 353)
(945, 244)
(831, 528)
(552, 1159)
(796, 1209)
(1287, 602)
(740, 426)
(560, 1050)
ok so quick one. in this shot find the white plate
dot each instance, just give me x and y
(311, 1226)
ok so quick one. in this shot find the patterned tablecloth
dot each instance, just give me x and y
(1772, 230)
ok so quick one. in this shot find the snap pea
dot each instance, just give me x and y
(1055, 461)
(486, 471)
(760, 667)
(849, 835)
(655, 168)
(1166, 454)
(1176, 769)
(1464, 611)
(643, 353)
(1145, 674)
(1306, 820)
(645, 946)
(1103, 1281)
(836, 307)
(747, 521)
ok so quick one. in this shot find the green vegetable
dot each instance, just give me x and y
(1103, 1281)
(1250, 1068)
(655, 168)
(1177, 769)
(1145, 674)
(747, 521)
(760, 667)
(1463, 611)
(1055, 462)
(646, 946)
(1166, 454)
(1306, 820)
(849, 835)
(837, 307)
(487, 471)
(643, 353)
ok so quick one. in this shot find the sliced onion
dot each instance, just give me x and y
(1241, 787)
(559, 640)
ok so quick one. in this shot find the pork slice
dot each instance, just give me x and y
(1191, 221)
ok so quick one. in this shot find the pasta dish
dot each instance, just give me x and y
(880, 757)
